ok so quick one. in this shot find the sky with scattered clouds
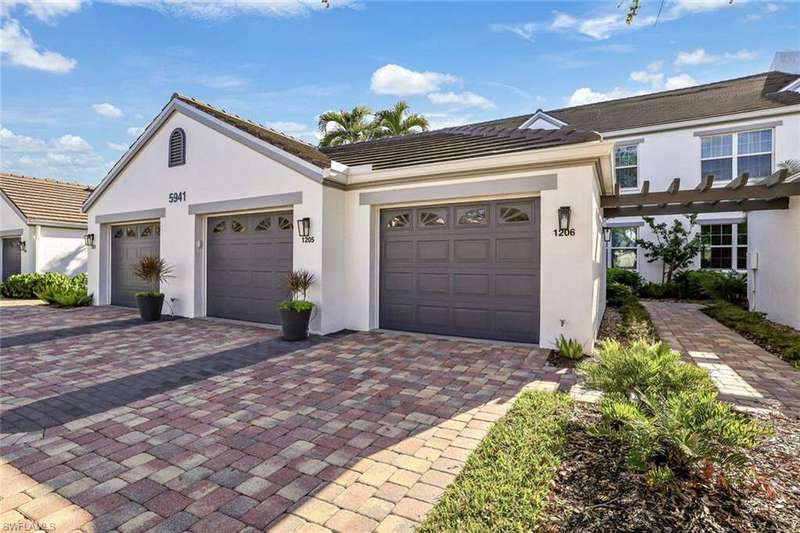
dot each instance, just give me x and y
(81, 78)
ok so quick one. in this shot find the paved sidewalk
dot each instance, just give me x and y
(746, 374)
(113, 424)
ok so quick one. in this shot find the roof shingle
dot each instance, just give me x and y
(45, 199)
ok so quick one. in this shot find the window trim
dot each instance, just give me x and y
(734, 245)
(610, 247)
(628, 144)
(735, 151)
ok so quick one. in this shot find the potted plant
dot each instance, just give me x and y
(156, 271)
(296, 313)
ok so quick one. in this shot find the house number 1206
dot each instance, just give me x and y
(564, 232)
(177, 197)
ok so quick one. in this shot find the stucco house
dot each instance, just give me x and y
(491, 230)
(42, 225)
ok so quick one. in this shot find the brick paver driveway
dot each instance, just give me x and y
(109, 423)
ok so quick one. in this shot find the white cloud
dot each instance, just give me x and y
(65, 157)
(287, 126)
(680, 81)
(18, 46)
(585, 95)
(447, 120)
(107, 110)
(651, 74)
(228, 8)
(563, 21)
(701, 57)
(117, 146)
(400, 81)
(135, 131)
(525, 30)
(223, 82)
(464, 99)
(44, 10)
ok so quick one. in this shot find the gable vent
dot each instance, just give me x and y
(177, 147)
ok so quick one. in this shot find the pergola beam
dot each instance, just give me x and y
(751, 192)
(680, 209)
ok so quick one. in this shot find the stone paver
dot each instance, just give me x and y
(113, 424)
(745, 374)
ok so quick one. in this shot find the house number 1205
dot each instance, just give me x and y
(177, 197)
(564, 232)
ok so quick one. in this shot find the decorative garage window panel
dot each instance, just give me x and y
(433, 218)
(284, 223)
(219, 227)
(512, 214)
(177, 147)
(400, 220)
(264, 225)
(468, 216)
(237, 226)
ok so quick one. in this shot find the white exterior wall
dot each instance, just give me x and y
(774, 287)
(572, 271)
(60, 250)
(11, 221)
(217, 168)
(672, 154)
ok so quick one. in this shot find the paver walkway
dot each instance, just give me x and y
(113, 424)
(745, 373)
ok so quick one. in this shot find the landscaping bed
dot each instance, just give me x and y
(596, 491)
(777, 339)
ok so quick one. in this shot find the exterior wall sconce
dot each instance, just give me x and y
(22, 245)
(564, 214)
(304, 229)
(88, 240)
(606, 233)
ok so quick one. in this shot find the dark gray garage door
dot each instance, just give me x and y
(468, 269)
(12, 258)
(128, 244)
(248, 259)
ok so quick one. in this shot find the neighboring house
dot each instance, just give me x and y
(727, 128)
(42, 225)
(492, 230)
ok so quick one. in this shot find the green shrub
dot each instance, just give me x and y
(296, 305)
(659, 290)
(636, 370)
(779, 339)
(677, 434)
(731, 287)
(617, 293)
(666, 414)
(70, 297)
(629, 278)
(569, 348)
(26, 286)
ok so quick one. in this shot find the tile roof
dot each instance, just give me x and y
(750, 93)
(294, 146)
(451, 144)
(45, 199)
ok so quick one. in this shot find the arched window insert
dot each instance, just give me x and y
(177, 147)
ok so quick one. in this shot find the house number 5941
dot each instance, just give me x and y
(177, 197)
(564, 232)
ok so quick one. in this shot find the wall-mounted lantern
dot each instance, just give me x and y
(22, 245)
(606, 233)
(564, 214)
(88, 240)
(304, 229)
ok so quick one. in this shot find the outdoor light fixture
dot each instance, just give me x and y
(23, 247)
(606, 233)
(88, 239)
(304, 229)
(564, 214)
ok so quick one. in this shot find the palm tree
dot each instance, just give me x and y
(394, 121)
(344, 127)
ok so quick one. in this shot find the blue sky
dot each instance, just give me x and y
(81, 78)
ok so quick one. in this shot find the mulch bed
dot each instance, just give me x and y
(595, 491)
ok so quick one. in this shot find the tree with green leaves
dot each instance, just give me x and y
(395, 121)
(345, 127)
(676, 246)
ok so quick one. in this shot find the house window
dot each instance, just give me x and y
(177, 148)
(626, 166)
(725, 246)
(733, 154)
(622, 248)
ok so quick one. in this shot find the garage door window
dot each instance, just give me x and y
(284, 223)
(470, 216)
(219, 227)
(119, 233)
(433, 218)
(147, 231)
(400, 220)
(264, 225)
(131, 233)
(512, 214)
(237, 226)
